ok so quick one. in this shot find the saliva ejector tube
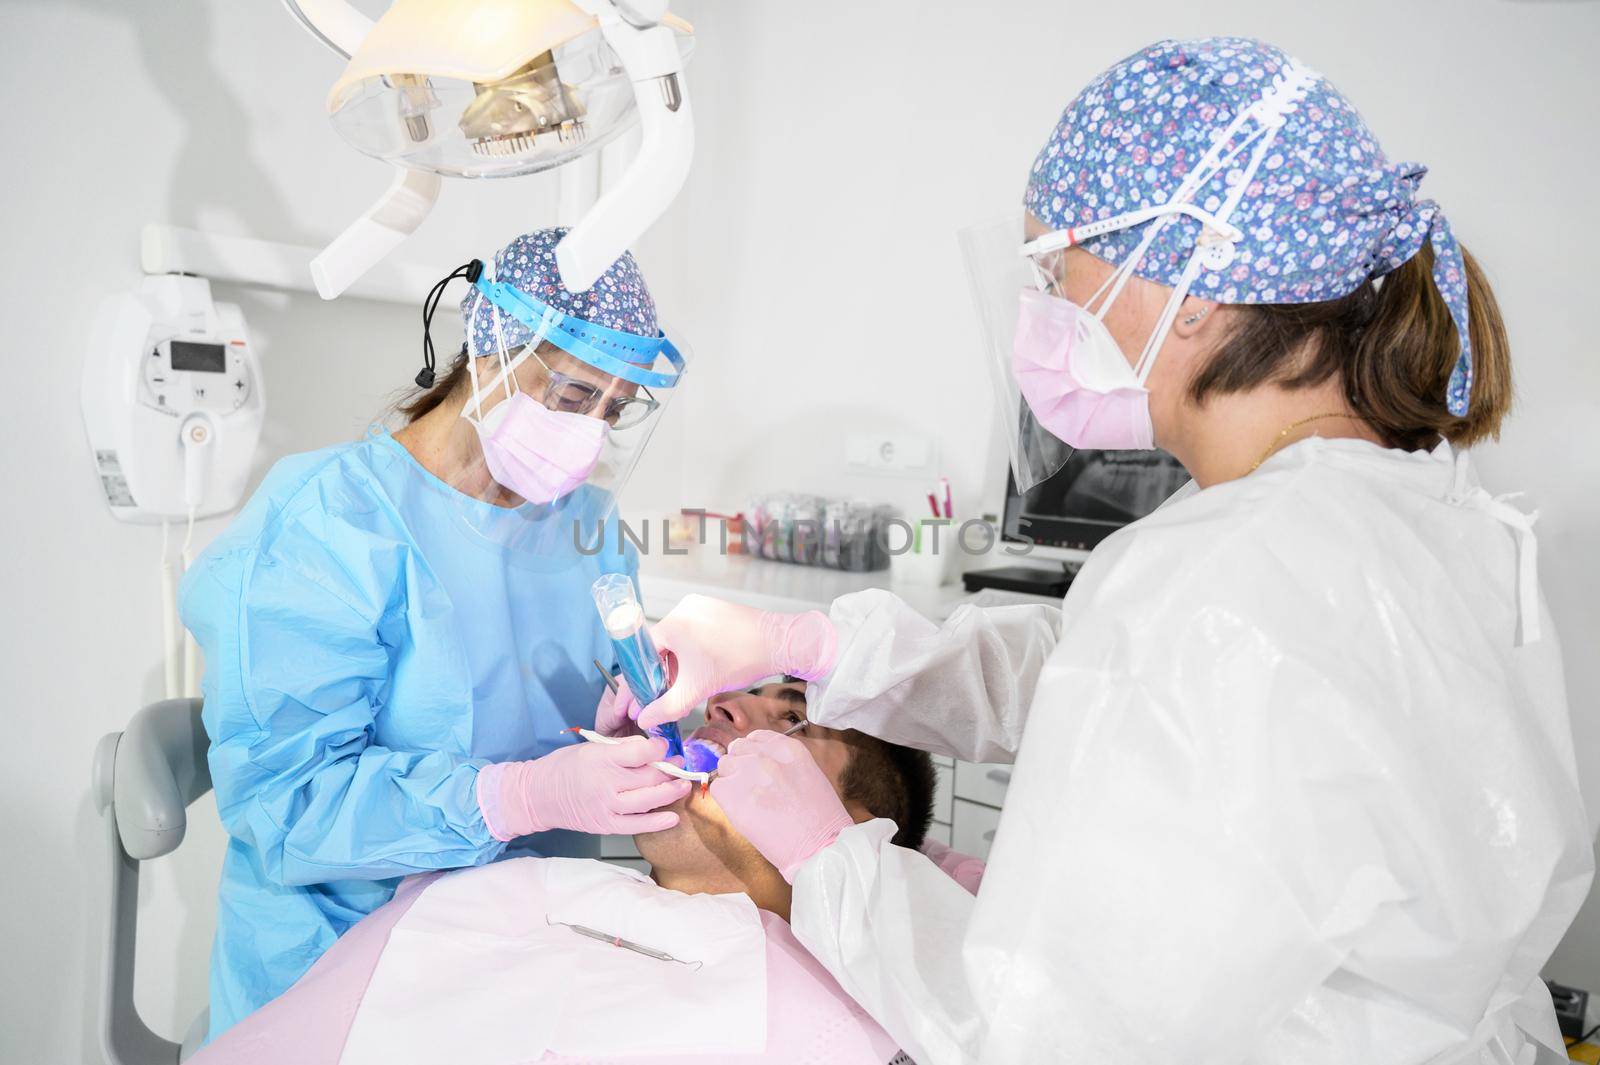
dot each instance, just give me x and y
(623, 618)
(642, 668)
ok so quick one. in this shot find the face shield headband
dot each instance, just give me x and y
(627, 356)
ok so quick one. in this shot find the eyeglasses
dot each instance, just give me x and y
(573, 395)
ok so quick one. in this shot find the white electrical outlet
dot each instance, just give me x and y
(891, 454)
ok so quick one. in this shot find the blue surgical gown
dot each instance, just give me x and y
(368, 649)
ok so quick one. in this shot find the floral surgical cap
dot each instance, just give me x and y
(619, 300)
(1325, 212)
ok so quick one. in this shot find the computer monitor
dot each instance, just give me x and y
(1092, 496)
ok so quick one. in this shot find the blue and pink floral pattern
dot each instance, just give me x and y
(1325, 212)
(619, 300)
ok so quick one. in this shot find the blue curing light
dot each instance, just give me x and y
(699, 757)
(623, 619)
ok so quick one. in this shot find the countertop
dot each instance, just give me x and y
(664, 579)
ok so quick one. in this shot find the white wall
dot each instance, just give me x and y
(812, 263)
(841, 145)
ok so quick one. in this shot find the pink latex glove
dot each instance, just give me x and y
(778, 798)
(962, 868)
(616, 712)
(606, 789)
(717, 646)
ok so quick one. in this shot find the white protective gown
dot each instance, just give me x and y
(1290, 788)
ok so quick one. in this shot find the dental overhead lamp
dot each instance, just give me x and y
(501, 88)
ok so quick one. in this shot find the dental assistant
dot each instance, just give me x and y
(1293, 779)
(397, 631)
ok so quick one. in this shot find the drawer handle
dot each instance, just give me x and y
(988, 837)
(999, 776)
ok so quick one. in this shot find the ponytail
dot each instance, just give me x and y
(1402, 361)
(1392, 345)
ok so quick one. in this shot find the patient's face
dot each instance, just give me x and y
(703, 837)
(777, 708)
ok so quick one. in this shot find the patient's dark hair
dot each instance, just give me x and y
(890, 781)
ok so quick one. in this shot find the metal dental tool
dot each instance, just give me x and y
(625, 944)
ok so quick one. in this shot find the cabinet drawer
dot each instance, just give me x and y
(943, 783)
(972, 829)
(982, 782)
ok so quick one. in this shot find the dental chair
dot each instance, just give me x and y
(145, 777)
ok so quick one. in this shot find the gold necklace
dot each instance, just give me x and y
(1286, 430)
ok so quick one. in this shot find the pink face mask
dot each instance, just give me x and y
(1076, 380)
(539, 454)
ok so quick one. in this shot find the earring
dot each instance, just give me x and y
(1193, 318)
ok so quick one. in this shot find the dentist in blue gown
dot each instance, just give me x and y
(397, 630)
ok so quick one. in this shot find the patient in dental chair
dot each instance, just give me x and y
(559, 960)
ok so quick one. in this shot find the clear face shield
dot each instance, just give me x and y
(553, 426)
(1004, 266)
(998, 274)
